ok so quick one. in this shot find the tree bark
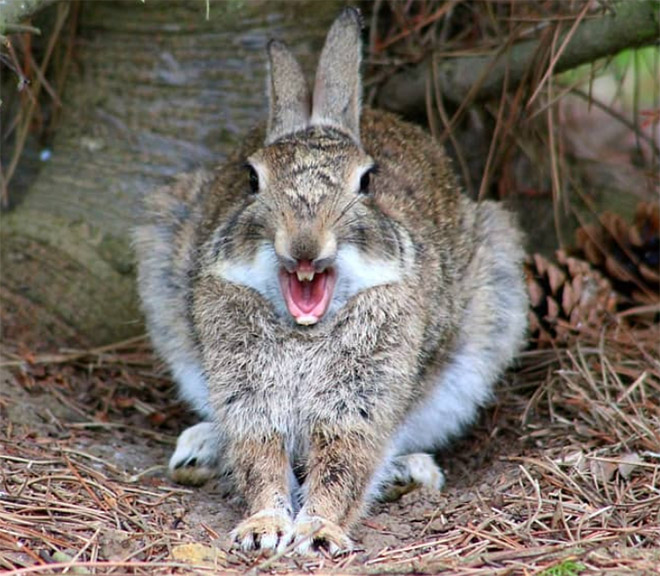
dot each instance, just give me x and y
(157, 90)
(629, 25)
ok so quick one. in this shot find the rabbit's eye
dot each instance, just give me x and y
(365, 182)
(253, 179)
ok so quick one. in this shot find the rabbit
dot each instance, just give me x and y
(330, 304)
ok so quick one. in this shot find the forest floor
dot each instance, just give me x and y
(561, 476)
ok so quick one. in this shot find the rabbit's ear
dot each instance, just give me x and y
(288, 93)
(337, 91)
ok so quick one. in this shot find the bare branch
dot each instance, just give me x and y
(628, 25)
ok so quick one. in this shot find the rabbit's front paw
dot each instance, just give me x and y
(195, 459)
(265, 530)
(313, 534)
(411, 471)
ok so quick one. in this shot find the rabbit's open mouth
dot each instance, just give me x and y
(307, 293)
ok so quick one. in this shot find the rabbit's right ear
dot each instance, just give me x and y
(338, 87)
(289, 97)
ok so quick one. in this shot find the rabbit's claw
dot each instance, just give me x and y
(264, 531)
(312, 535)
(195, 459)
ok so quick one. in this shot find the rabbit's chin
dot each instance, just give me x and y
(307, 299)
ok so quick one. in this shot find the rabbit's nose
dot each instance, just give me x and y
(306, 252)
(304, 247)
(314, 266)
(288, 263)
(320, 264)
(309, 267)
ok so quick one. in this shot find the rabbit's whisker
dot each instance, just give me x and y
(346, 208)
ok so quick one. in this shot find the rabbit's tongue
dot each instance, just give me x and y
(307, 301)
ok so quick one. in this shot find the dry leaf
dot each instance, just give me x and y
(575, 459)
(118, 545)
(604, 471)
(628, 464)
(198, 554)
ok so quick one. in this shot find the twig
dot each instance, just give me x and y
(66, 358)
(631, 25)
(25, 127)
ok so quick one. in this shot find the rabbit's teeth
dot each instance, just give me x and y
(305, 276)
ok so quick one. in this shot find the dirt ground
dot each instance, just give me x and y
(544, 484)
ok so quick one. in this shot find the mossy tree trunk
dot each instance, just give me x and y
(157, 89)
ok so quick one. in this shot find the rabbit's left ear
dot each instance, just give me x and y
(288, 93)
(338, 87)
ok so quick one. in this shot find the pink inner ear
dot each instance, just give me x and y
(306, 301)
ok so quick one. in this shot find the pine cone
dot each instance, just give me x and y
(628, 254)
(567, 298)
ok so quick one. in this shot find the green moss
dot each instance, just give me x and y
(566, 568)
(633, 74)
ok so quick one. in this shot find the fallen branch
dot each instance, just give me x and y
(627, 25)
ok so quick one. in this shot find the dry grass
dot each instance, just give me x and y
(562, 476)
(64, 506)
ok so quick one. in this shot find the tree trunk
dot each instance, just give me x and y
(157, 90)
